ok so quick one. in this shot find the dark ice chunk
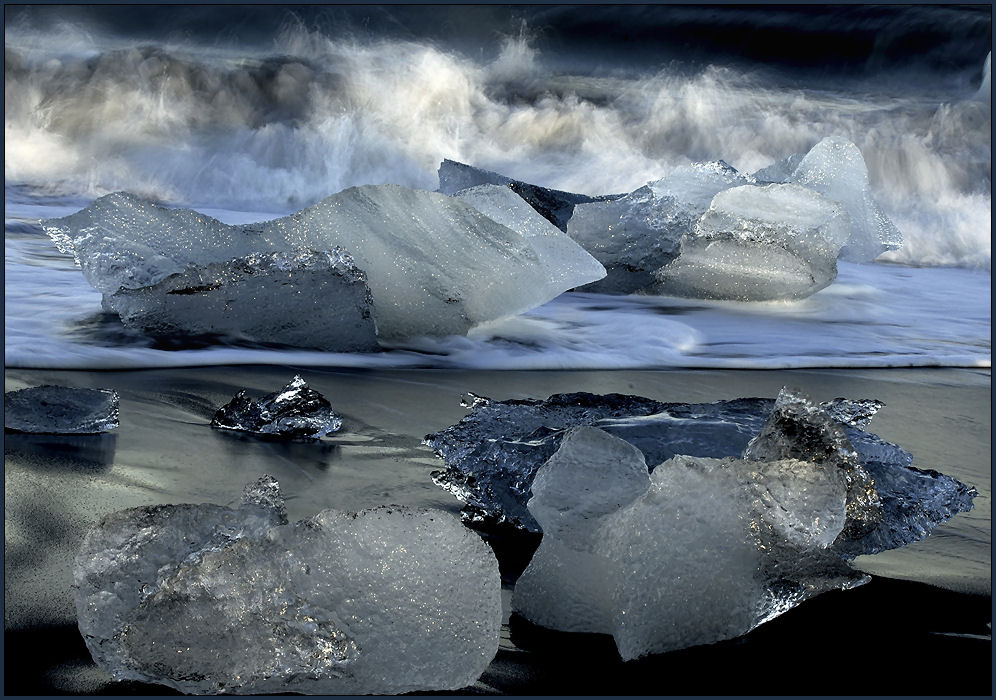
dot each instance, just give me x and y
(60, 410)
(296, 411)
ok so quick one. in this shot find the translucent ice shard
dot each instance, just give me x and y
(698, 551)
(493, 454)
(564, 260)
(554, 205)
(297, 410)
(60, 410)
(835, 168)
(757, 243)
(223, 299)
(388, 600)
(636, 235)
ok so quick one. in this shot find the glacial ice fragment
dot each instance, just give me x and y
(835, 168)
(636, 235)
(60, 410)
(554, 205)
(295, 411)
(698, 551)
(758, 243)
(492, 456)
(387, 600)
(564, 260)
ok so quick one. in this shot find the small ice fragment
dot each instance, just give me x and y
(701, 550)
(387, 600)
(836, 169)
(553, 205)
(60, 410)
(758, 243)
(296, 411)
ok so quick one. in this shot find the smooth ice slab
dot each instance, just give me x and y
(757, 243)
(434, 265)
(60, 410)
(565, 261)
(698, 551)
(835, 168)
(387, 600)
(297, 410)
(636, 235)
(492, 456)
(554, 205)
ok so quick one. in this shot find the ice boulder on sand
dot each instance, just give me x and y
(209, 600)
(297, 410)
(434, 265)
(60, 410)
(758, 243)
(699, 551)
(835, 168)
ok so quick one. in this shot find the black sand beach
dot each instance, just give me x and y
(922, 626)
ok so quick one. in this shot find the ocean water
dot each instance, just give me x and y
(252, 113)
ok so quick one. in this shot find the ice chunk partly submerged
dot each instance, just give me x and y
(208, 599)
(295, 411)
(434, 264)
(493, 454)
(60, 410)
(698, 551)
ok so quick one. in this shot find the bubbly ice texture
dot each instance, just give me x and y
(297, 410)
(554, 205)
(636, 235)
(434, 265)
(60, 410)
(565, 260)
(698, 551)
(492, 455)
(209, 600)
(758, 243)
(835, 168)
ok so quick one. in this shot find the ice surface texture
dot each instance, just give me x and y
(60, 410)
(208, 599)
(434, 265)
(554, 205)
(492, 455)
(698, 551)
(297, 410)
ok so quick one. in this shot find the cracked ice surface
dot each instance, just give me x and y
(297, 410)
(493, 454)
(60, 410)
(208, 599)
(698, 551)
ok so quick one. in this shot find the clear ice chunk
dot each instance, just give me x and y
(565, 260)
(296, 411)
(492, 456)
(60, 410)
(699, 551)
(223, 299)
(758, 243)
(553, 205)
(434, 265)
(835, 168)
(211, 600)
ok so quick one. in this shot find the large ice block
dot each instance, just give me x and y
(757, 243)
(698, 551)
(60, 410)
(492, 455)
(297, 410)
(434, 265)
(555, 206)
(210, 600)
